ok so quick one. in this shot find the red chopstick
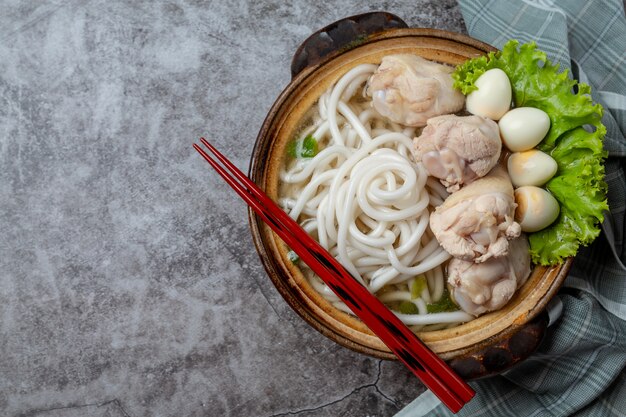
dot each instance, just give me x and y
(428, 367)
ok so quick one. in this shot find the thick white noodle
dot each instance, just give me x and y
(367, 202)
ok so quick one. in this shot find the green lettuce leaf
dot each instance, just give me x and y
(574, 141)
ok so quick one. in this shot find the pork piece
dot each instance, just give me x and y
(476, 222)
(409, 90)
(457, 150)
(487, 286)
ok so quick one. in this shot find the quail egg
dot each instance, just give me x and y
(523, 128)
(531, 167)
(536, 208)
(493, 97)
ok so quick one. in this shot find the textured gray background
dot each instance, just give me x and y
(129, 285)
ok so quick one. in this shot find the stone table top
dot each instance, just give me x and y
(129, 284)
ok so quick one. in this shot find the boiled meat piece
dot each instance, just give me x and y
(487, 286)
(409, 90)
(457, 150)
(476, 222)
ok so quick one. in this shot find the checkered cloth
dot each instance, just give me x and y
(579, 368)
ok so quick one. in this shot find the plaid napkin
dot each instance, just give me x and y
(579, 368)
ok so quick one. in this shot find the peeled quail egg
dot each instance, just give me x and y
(536, 208)
(493, 97)
(523, 128)
(531, 168)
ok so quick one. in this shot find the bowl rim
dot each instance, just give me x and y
(273, 266)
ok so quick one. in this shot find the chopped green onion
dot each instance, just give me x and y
(407, 307)
(293, 257)
(418, 286)
(445, 303)
(303, 148)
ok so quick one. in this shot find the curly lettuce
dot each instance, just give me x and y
(574, 141)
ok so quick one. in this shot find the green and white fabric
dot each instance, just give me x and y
(580, 369)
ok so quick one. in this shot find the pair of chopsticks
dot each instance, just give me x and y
(427, 366)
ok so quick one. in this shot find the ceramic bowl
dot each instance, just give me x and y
(490, 343)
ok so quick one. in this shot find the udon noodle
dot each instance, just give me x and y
(367, 202)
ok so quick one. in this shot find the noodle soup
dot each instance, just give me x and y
(295, 114)
(350, 180)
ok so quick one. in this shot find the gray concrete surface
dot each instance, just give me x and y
(129, 285)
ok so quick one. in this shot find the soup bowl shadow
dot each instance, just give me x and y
(482, 347)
